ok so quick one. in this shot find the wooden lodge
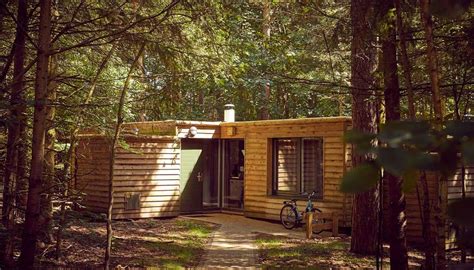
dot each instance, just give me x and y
(170, 167)
(166, 168)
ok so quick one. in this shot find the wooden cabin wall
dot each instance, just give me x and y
(414, 231)
(461, 182)
(92, 172)
(257, 202)
(147, 168)
(412, 211)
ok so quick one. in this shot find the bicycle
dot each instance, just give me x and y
(291, 218)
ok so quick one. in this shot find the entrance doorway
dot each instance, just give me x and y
(212, 175)
(199, 178)
(233, 174)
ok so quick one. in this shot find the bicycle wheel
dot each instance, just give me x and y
(288, 217)
(317, 221)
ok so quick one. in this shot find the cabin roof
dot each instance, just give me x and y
(168, 128)
(289, 121)
(175, 122)
(246, 123)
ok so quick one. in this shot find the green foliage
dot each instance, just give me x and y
(362, 141)
(410, 178)
(360, 179)
(408, 146)
(468, 152)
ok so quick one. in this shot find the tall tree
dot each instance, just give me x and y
(397, 217)
(16, 126)
(422, 189)
(65, 174)
(365, 206)
(46, 216)
(404, 60)
(266, 29)
(30, 231)
(437, 104)
(113, 149)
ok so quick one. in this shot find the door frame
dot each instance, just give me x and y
(184, 196)
(220, 174)
(208, 147)
(222, 155)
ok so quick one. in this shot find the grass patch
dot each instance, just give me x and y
(195, 229)
(277, 252)
(185, 248)
(269, 242)
(322, 248)
(176, 253)
(284, 253)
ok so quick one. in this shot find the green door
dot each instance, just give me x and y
(193, 169)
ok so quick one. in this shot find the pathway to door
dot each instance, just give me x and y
(233, 244)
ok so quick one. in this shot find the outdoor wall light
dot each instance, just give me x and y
(193, 131)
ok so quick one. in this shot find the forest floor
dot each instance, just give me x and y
(148, 243)
(317, 253)
(177, 243)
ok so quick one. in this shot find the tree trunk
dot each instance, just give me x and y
(405, 62)
(113, 148)
(423, 200)
(15, 146)
(30, 232)
(432, 60)
(46, 216)
(365, 207)
(21, 189)
(16, 110)
(440, 204)
(397, 204)
(265, 112)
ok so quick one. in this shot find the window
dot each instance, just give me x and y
(297, 166)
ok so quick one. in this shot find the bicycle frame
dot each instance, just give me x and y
(309, 206)
(290, 217)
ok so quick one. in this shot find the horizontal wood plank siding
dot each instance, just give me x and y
(147, 166)
(257, 135)
(92, 169)
(414, 223)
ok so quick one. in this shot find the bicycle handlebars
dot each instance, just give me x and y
(310, 195)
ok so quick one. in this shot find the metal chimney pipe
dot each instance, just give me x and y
(229, 113)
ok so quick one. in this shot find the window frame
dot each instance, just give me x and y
(299, 166)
